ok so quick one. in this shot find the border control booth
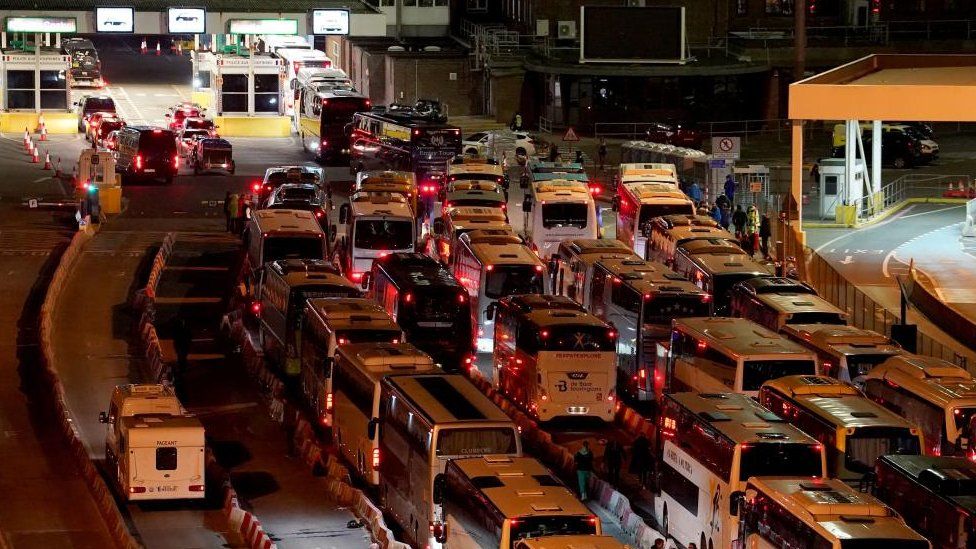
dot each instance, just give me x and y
(35, 74)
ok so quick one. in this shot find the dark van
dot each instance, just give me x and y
(146, 152)
(428, 303)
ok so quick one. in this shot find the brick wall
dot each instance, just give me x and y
(411, 77)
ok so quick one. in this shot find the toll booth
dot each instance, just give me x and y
(836, 191)
(96, 173)
(34, 80)
(240, 83)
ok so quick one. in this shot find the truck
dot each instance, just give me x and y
(154, 449)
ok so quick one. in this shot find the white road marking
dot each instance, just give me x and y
(847, 260)
(845, 235)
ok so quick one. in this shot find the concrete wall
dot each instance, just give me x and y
(409, 78)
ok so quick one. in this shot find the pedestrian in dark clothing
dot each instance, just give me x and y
(659, 543)
(730, 188)
(765, 231)
(739, 221)
(640, 459)
(613, 456)
(716, 213)
(579, 156)
(726, 219)
(602, 152)
(694, 191)
(243, 212)
(234, 208)
(182, 339)
(584, 467)
(227, 216)
(516, 124)
(553, 152)
(815, 173)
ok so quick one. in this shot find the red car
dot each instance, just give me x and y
(677, 134)
(201, 124)
(111, 141)
(100, 124)
(181, 112)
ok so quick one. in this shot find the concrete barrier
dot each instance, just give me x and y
(96, 484)
(55, 122)
(253, 126)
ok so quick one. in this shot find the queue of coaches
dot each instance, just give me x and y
(378, 353)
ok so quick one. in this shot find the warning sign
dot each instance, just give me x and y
(570, 135)
(726, 147)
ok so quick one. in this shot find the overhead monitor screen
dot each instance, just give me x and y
(114, 19)
(186, 20)
(618, 34)
(41, 24)
(330, 22)
(262, 26)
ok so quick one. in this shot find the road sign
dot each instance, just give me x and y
(32, 203)
(716, 163)
(570, 135)
(727, 148)
(755, 186)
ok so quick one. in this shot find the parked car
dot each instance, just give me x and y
(495, 142)
(677, 134)
(212, 154)
(898, 149)
(91, 104)
(186, 139)
(179, 113)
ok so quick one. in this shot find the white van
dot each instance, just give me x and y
(282, 234)
(153, 449)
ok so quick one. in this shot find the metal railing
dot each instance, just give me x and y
(940, 29)
(913, 185)
(743, 128)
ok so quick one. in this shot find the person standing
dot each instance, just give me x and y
(584, 467)
(716, 213)
(227, 210)
(613, 456)
(730, 188)
(640, 459)
(579, 157)
(243, 208)
(739, 221)
(815, 173)
(553, 152)
(752, 229)
(602, 152)
(694, 192)
(765, 231)
(233, 205)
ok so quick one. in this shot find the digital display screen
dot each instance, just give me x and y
(41, 24)
(114, 19)
(330, 22)
(187, 20)
(262, 26)
(632, 34)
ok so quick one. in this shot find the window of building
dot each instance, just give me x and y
(477, 5)
(741, 7)
(266, 92)
(779, 7)
(233, 93)
(20, 89)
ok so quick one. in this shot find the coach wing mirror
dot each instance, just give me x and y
(364, 283)
(344, 214)
(736, 501)
(440, 483)
(102, 417)
(490, 311)
(168, 115)
(438, 226)
(371, 428)
(646, 229)
(615, 203)
(527, 204)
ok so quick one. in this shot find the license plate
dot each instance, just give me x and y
(150, 170)
(166, 489)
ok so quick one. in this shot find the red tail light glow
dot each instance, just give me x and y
(256, 308)
(256, 187)
(356, 277)
(176, 161)
(408, 298)
(138, 161)
(197, 488)
(137, 489)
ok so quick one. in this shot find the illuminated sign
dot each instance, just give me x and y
(330, 22)
(187, 20)
(262, 26)
(114, 19)
(41, 24)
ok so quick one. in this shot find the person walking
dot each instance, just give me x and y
(765, 231)
(640, 459)
(716, 213)
(730, 188)
(613, 457)
(739, 221)
(227, 210)
(694, 192)
(815, 173)
(602, 152)
(553, 152)
(233, 207)
(516, 122)
(182, 339)
(726, 213)
(584, 467)
(752, 229)
(579, 157)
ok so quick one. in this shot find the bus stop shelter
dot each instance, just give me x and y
(884, 87)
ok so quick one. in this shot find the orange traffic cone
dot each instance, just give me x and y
(30, 146)
(34, 159)
(40, 122)
(47, 161)
(43, 131)
(144, 48)
(158, 51)
(26, 138)
(179, 48)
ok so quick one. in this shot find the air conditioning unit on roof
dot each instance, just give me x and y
(566, 30)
